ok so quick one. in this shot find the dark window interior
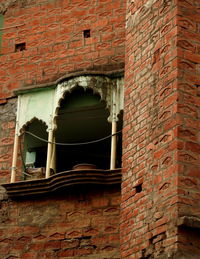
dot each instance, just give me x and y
(83, 118)
(33, 145)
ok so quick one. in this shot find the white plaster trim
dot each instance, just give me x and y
(46, 109)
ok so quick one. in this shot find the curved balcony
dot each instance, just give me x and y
(63, 180)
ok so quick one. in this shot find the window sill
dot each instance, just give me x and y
(62, 180)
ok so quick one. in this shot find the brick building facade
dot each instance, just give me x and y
(153, 210)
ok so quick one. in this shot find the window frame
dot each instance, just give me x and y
(109, 89)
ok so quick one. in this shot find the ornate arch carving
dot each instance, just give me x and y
(48, 102)
(23, 128)
(101, 85)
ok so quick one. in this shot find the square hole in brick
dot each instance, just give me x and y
(20, 47)
(86, 34)
(138, 188)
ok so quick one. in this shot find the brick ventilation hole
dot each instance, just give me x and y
(138, 188)
(86, 34)
(20, 47)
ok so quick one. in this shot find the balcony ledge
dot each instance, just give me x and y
(63, 180)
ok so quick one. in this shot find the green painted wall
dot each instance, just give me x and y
(1, 31)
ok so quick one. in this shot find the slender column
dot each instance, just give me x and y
(53, 156)
(16, 144)
(49, 153)
(14, 161)
(113, 146)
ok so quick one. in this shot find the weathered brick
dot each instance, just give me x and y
(166, 88)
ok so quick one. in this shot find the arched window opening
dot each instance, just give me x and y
(35, 150)
(78, 122)
(82, 117)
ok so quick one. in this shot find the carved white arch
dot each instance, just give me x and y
(109, 90)
(23, 128)
(44, 104)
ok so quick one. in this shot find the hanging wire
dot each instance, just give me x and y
(73, 144)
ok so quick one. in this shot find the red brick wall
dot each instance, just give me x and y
(161, 123)
(71, 224)
(55, 46)
(188, 50)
